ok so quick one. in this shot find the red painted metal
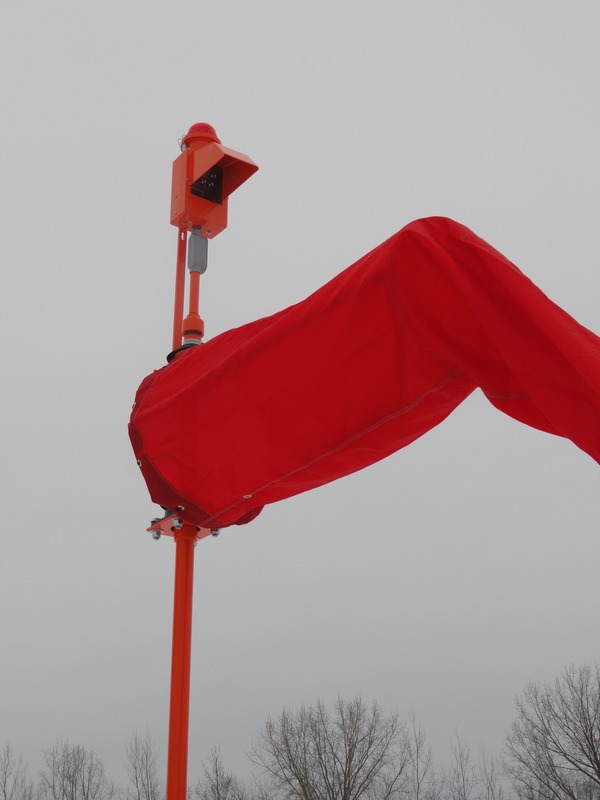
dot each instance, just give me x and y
(166, 526)
(179, 287)
(185, 541)
(204, 176)
(203, 158)
(193, 325)
(194, 300)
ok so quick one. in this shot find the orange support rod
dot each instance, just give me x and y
(194, 302)
(193, 325)
(185, 539)
(179, 288)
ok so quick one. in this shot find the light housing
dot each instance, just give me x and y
(204, 176)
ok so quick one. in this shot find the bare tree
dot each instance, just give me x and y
(491, 780)
(469, 780)
(14, 783)
(553, 748)
(141, 763)
(422, 783)
(355, 753)
(74, 773)
(217, 783)
(462, 777)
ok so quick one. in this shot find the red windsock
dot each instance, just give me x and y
(362, 367)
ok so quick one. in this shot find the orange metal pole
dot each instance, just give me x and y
(193, 325)
(194, 301)
(185, 540)
(179, 288)
(198, 205)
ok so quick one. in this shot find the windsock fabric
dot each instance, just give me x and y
(361, 368)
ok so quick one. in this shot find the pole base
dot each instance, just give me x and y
(172, 522)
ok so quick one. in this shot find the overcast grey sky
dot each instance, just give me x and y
(440, 580)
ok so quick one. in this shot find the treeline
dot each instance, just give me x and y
(357, 752)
